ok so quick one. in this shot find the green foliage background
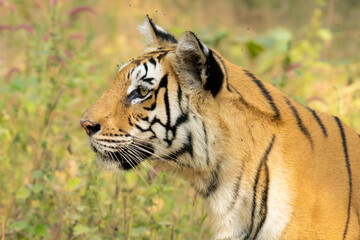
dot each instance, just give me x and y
(57, 57)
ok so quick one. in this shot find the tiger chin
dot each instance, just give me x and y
(267, 166)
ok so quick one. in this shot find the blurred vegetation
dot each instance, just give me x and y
(57, 57)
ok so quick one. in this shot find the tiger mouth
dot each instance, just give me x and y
(117, 157)
(126, 158)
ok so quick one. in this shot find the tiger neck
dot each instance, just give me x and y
(236, 184)
(238, 199)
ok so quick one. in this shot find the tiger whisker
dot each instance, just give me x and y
(165, 158)
(143, 147)
(132, 165)
(145, 144)
(158, 157)
(137, 154)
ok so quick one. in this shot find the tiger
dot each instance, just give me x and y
(266, 166)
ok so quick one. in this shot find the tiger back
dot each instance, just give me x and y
(267, 167)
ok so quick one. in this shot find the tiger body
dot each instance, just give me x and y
(267, 167)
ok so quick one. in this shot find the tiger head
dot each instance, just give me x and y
(160, 106)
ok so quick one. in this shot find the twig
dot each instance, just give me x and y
(125, 218)
(3, 227)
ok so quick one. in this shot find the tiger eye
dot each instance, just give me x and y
(143, 92)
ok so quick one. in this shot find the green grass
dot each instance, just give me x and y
(56, 59)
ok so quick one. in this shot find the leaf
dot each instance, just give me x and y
(81, 229)
(138, 231)
(254, 49)
(30, 107)
(81, 208)
(17, 85)
(74, 183)
(166, 223)
(40, 230)
(324, 34)
(22, 193)
(44, 144)
(20, 225)
(37, 188)
(37, 174)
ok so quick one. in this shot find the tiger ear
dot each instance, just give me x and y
(155, 36)
(196, 63)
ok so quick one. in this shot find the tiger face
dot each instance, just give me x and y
(146, 113)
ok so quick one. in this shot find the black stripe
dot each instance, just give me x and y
(206, 144)
(225, 70)
(263, 207)
(348, 167)
(179, 98)
(179, 120)
(201, 46)
(141, 129)
(147, 98)
(146, 69)
(137, 75)
(318, 120)
(162, 84)
(156, 120)
(215, 76)
(144, 118)
(161, 56)
(146, 72)
(265, 93)
(186, 148)
(241, 98)
(155, 52)
(213, 182)
(152, 61)
(146, 130)
(265, 192)
(300, 123)
(130, 122)
(152, 107)
(167, 109)
(236, 191)
(112, 141)
(148, 80)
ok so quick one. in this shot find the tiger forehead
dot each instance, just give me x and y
(158, 53)
(153, 57)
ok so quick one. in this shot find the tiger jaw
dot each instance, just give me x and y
(111, 160)
(119, 155)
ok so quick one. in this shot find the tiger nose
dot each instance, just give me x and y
(90, 128)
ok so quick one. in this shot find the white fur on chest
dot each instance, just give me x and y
(234, 223)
